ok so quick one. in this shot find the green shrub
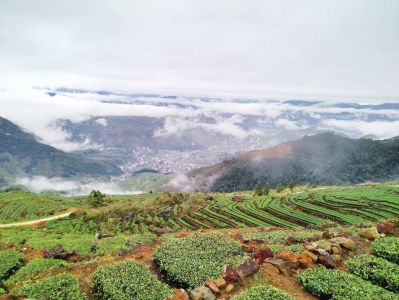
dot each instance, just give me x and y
(59, 287)
(191, 260)
(329, 284)
(35, 266)
(10, 260)
(80, 243)
(262, 292)
(2, 291)
(128, 280)
(123, 243)
(376, 269)
(276, 236)
(387, 248)
(296, 247)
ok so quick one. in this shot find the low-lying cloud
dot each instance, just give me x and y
(40, 184)
(37, 111)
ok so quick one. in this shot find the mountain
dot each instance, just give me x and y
(325, 158)
(21, 155)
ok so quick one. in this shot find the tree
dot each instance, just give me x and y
(291, 185)
(258, 189)
(280, 188)
(266, 190)
(96, 198)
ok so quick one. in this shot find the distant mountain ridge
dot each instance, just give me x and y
(325, 158)
(22, 155)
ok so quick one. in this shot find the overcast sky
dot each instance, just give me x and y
(304, 49)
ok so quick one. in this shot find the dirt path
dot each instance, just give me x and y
(37, 221)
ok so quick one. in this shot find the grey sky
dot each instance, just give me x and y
(336, 49)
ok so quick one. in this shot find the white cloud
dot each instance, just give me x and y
(102, 122)
(71, 187)
(380, 129)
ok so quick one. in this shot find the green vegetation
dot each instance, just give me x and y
(262, 292)
(387, 248)
(120, 243)
(325, 158)
(10, 260)
(21, 205)
(128, 280)
(58, 287)
(35, 266)
(21, 155)
(330, 284)
(96, 198)
(189, 261)
(377, 270)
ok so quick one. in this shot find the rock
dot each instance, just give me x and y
(325, 245)
(280, 264)
(313, 227)
(370, 233)
(179, 294)
(327, 235)
(346, 234)
(327, 261)
(336, 249)
(344, 242)
(292, 240)
(337, 258)
(247, 268)
(289, 257)
(310, 246)
(212, 286)
(238, 237)
(59, 253)
(237, 199)
(202, 293)
(220, 282)
(311, 255)
(261, 254)
(385, 227)
(304, 261)
(321, 251)
(229, 288)
(230, 274)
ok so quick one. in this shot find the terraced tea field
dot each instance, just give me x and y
(17, 205)
(346, 206)
(231, 246)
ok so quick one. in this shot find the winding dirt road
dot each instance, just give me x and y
(37, 221)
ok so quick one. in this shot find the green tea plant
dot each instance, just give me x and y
(261, 292)
(59, 287)
(189, 261)
(35, 266)
(121, 243)
(387, 248)
(340, 285)
(10, 260)
(376, 269)
(128, 280)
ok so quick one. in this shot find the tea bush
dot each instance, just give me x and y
(189, 261)
(329, 284)
(10, 260)
(35, 266)
(387, 248)
(261, 292)
(128, 280)
(121, 243)
(376, 269)
(59, 287)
